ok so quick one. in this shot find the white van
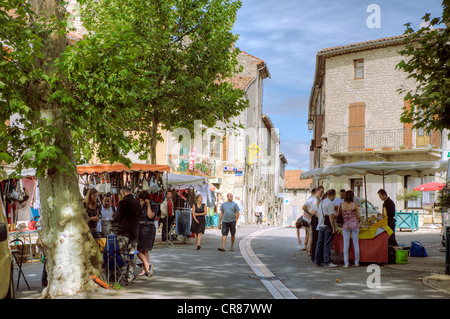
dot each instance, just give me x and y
(6, 262)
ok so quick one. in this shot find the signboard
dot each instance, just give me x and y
(446, 155)
(253, 150)
(239, 173)
(192, 159)
(232, 169)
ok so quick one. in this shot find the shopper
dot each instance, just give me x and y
(327, 229)
(389, 205)
(313, 204)
(147, 232)
(167, 216)
(229, 214)
(259, 214)
(339, 200)
(128, 215)
(106, 215)
(198, 224)
(351, 214)
(305, 221)
(92, 208)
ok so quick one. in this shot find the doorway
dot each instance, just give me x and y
(356, 186)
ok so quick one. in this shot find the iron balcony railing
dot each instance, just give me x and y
(382, 140)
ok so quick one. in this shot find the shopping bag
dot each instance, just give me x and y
(417, 250)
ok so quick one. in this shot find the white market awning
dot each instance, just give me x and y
(418, 169)
(182, 179)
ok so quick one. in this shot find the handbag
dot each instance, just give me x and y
(154, 187)
(326, 218)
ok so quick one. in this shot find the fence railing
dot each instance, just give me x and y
(382, 140)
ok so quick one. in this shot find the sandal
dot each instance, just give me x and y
(221, 249)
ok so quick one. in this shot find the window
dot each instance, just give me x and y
(359, 69)
(214, 147)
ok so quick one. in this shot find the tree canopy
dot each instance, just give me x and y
(427, 61)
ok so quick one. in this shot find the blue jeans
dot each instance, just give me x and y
(324, 243)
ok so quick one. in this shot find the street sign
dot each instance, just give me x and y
(446, 155)
(253, 150)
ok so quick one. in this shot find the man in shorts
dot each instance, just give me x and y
(228, 217)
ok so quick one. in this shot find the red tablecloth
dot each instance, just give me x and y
(373, 250)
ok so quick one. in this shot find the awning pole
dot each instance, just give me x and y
(365, 194)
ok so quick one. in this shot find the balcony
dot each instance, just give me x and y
(203, 166)
(386, 140)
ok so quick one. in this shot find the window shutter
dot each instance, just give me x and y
(318, 130)
(407, 129)
(356, 126)
(225, 150)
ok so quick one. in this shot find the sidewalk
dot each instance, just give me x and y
(432, 266)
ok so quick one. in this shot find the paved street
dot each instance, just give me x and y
(181, 272)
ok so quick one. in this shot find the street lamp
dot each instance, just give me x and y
(310, 124)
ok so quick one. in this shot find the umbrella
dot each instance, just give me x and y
(430, 187)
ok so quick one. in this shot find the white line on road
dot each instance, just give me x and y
(275, 287)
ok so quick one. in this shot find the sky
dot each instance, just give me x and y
(287, 34)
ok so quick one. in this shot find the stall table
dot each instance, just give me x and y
(373, 243)
(373, 250)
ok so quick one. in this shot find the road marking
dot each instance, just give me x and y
(275, 286)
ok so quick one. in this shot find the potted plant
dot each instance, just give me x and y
(408, 195)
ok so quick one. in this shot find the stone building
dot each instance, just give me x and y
(296, 192)
(355, 107)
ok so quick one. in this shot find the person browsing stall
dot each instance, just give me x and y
(128, 215)
(147, 232)
(327, 229)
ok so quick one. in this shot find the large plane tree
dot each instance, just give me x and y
(143, 64)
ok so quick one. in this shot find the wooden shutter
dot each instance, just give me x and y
(318, 130)
(356, 126)
(407, 129)
(224, 145)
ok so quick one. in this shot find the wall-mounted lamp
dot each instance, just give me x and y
(310, 124)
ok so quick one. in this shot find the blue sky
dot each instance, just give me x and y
(287, 34)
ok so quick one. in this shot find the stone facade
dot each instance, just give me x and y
(382, 136)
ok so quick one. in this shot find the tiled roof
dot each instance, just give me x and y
(395, 40)
(241, 82)
(292, 180)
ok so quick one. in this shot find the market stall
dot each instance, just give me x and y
(373, 241)
(19, 198)
(374, 234)
(184, 189)
(110, 178)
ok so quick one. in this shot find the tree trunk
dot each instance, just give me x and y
(72, 256)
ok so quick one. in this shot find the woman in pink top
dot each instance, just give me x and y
(351, 214)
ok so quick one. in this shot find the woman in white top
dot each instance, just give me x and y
(259, 214)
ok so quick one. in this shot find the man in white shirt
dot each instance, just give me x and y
(310, 208)
(339, 200)
(326, 227)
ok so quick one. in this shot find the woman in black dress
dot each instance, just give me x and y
(198, 220)
(147, 232)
